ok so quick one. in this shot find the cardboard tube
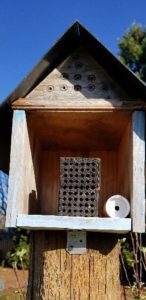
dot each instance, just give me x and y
(117, 206)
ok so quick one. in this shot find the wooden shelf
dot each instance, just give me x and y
(43, 222)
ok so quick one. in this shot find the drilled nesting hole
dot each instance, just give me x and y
(50, 88)
(79, 186)
(91, 87)
(77, 77)
(77, 87)
(91, 77)
(63, 88)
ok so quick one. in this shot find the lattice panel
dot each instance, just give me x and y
(79, 186)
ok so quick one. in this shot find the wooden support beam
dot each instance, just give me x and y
(21, 176)
(138, 171)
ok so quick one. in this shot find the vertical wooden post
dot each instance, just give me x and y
(57, 275)
(138, 171)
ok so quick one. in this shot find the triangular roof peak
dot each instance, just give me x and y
(74, 37)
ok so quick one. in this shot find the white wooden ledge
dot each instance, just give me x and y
(41, 222)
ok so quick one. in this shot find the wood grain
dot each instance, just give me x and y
(124, 163)
(138, 171)
(79, 131)
(21, 178)
(79, 69)
(58, 275)
(81, 104)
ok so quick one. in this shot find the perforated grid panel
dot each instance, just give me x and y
(79, 186)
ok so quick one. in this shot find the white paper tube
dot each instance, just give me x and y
(117, 206)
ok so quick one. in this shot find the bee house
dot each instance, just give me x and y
(77, 140)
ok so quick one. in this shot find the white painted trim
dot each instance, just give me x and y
(41, 222)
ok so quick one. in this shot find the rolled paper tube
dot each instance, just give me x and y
(117, 206)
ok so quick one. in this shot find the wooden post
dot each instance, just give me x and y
(55, 274)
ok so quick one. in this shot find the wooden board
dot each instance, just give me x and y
(138, 171)
(79, 130)
(35, 222)
(81, 104)
(21, 177)
(124, 163)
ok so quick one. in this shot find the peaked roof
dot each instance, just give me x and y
(75, 36)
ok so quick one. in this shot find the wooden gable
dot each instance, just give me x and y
(77, 80)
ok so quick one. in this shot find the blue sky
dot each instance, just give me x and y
(28, 28)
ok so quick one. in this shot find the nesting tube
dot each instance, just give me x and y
(117, 206)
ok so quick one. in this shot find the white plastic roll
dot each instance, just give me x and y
(117, 206)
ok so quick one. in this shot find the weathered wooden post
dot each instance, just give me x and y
(77, 139)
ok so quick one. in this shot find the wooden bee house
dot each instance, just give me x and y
(79, 103)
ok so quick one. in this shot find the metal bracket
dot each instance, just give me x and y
(76, 242)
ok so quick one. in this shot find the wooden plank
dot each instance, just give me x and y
(49, 182)
(138, 171)
(124, 163)
(79, 130)
(51, 103)
(21, 176)
(36, 222)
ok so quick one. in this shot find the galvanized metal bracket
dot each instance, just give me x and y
(76, 242)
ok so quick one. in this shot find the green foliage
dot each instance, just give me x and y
(127, 253)
(133, 259)
(18, 257)
(132, 48)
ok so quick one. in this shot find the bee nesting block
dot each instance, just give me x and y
(79, 186)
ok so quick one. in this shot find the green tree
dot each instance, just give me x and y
(132, 50)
